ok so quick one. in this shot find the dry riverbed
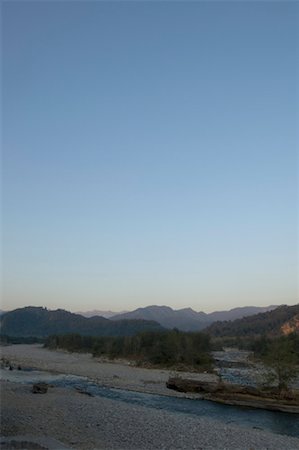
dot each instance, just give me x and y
(110, 374)
(64, 417)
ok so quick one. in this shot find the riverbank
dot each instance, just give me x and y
(235, 394)
(120, 375)
(83, 422)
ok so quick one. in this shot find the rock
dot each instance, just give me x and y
(232, 394)
(210, 387)
(82, 391)
(186, 385)
(40, 388)
(254, 402)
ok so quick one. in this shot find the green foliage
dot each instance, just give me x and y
(281, 357)
(169, 348)
(242, 343)
(4, 339)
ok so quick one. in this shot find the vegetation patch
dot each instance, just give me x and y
(167, 348)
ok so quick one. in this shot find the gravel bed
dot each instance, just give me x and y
(86, 423)
(82, 422)
(111, 374)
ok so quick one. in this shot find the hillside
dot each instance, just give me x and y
(238, 313)
(187, 319)
(291, 326)
(40, 322)
(271, 323)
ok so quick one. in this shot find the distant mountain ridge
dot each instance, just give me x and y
(184, 319)
(239, 312)
(281, 320)
(41, 322)
(96, 312)
(187, 319)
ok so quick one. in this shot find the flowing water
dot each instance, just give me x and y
(276, 422)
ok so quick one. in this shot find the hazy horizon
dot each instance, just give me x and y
(150, 154)
(97, 310)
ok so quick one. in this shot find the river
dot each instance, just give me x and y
(277, 422)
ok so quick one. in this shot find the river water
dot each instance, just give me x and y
(277, 422)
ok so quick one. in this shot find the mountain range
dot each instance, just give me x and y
(41, 322)
(37, 321)
(187, 319)
(97, 312)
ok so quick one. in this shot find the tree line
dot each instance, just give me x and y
(171, 348)
(281, 356)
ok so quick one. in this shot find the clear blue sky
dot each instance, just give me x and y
(150, 154)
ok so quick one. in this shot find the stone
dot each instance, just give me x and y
(186, 385)
(40, 388)
(232, 394)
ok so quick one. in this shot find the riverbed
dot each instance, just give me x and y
(127, 408)
(276, 422)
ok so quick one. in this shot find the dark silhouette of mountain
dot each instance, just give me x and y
(187, 319)
(39, 322)
(271, 323)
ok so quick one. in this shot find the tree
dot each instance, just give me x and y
(281, 359)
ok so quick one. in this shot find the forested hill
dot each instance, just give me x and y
(271, 323)
(41, 322)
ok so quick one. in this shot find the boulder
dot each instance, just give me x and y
(187, 385)
(40, 388)
(233, 394)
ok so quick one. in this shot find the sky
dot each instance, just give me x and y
(149, 154)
